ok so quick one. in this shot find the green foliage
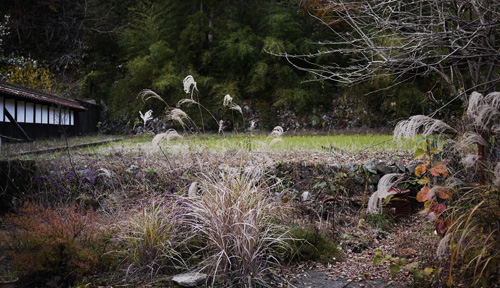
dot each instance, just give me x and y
(377, 101)
(57, 242)
(310, 244)
(381, 221)
(28, 73)
(7, 275)
(223, 45)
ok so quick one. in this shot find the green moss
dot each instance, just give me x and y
(381, 221)
(312, 245)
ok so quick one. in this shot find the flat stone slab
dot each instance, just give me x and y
(319, 279)
(190, 279)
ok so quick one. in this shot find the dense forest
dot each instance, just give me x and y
(111, 50)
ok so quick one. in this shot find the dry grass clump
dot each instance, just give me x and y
(237, 220)
(472, 242)
(153, 238)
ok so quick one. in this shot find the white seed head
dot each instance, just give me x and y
(147, 94)
(384, 185)
(186, 100)
(277, 132)
(236, 108)
(221, 126)
(188, 82)
(419, 124)
(227, 100)
(178, 115)
(146, 116)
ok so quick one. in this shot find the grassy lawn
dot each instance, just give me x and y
(309, 143)
(223, 143)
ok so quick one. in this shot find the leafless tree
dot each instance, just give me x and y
(456, 39)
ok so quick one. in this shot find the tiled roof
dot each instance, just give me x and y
(23, 92)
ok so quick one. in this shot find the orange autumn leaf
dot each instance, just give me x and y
(439, 169)
(444, 193)
(425, 194)
(421, 169)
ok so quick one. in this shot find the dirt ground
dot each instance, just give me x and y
(412, 238)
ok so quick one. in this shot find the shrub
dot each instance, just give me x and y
(238, 223)
(467, 214)
(62, 242)
(153, 238)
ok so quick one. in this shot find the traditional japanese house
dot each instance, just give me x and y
(27, 114)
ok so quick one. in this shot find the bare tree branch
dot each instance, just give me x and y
(457, 40)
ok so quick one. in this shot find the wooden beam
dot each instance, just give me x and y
(7, 113)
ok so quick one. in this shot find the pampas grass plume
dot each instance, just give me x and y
(146, 116)
(188, 82)
(384, 185)
(178, 115)
(227, 100)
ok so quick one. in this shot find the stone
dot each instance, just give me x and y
(359, 180)
(384, 169)
(333, 167)
(350, 167)
(190, 279)
(305, 196)
(370, 167)
(374, 179)
(401, 167)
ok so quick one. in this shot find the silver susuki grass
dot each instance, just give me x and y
(420, 124)
(237, 218)
(186, 101)
(275, 135)
(148, 94)
(376, 200)
(228, 100)
(277, 132)
(146, 116)
(188, 83)
(221, 126)
(178, 116)
(171, 134)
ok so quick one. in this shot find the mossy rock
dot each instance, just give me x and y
(312, 245)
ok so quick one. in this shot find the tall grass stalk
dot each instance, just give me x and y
(238, 221)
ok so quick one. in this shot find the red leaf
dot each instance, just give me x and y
(425, 194)
(444, 193)
(441, 226)
(439, 169)
(438, 208)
